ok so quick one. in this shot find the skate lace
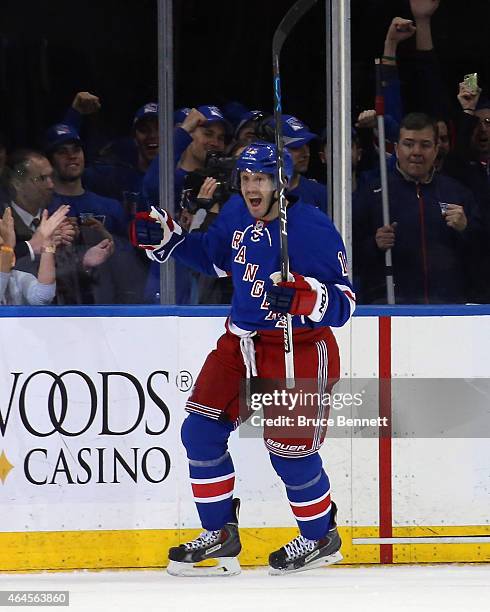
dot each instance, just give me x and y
(205, 539)
(299, 546)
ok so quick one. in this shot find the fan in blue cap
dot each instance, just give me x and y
(248, 128)
(295, 133)
(60, 134)
(297, 138)
(146, 111)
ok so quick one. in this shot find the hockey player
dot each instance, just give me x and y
(244, 242)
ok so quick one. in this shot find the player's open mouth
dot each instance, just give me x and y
(255, 202)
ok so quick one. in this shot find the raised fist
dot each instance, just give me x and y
(193, 120)
(86, 103)
(366, 120)
(424, 8)
(468, 98)
(400, 29)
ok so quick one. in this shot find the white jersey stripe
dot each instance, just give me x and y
(210, 415)
(196, 405)
(322, 385)
(350, 295)
(311, 502)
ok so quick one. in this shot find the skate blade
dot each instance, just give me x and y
(330, 560)
(225, 566)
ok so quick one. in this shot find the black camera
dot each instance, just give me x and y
(217, 166)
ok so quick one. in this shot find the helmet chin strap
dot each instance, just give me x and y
(274, 199)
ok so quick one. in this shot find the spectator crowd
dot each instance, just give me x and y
(65, 213)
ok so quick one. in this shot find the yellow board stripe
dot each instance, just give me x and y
(70, 550)
(446, 553)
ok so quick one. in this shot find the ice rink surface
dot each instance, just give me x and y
(464, 588)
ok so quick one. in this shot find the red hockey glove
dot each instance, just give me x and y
(299, 296)
(157, 233)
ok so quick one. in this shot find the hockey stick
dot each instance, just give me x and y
(283, 30)
(380, 111)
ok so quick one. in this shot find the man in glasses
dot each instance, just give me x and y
(32, 186)
(33, 182)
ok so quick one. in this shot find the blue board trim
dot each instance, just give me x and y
(442, 310)
(222, 311)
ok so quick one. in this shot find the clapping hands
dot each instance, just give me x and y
(7, 231)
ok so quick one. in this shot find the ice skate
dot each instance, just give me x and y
(301, 554)
(222, 545)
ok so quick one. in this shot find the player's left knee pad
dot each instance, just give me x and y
(297, 471)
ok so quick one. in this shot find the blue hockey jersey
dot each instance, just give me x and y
(249, 250)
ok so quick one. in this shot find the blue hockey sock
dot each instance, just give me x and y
(210, 468)
(308, 491)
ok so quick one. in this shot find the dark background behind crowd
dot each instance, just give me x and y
(51, 50)
(101, 156)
